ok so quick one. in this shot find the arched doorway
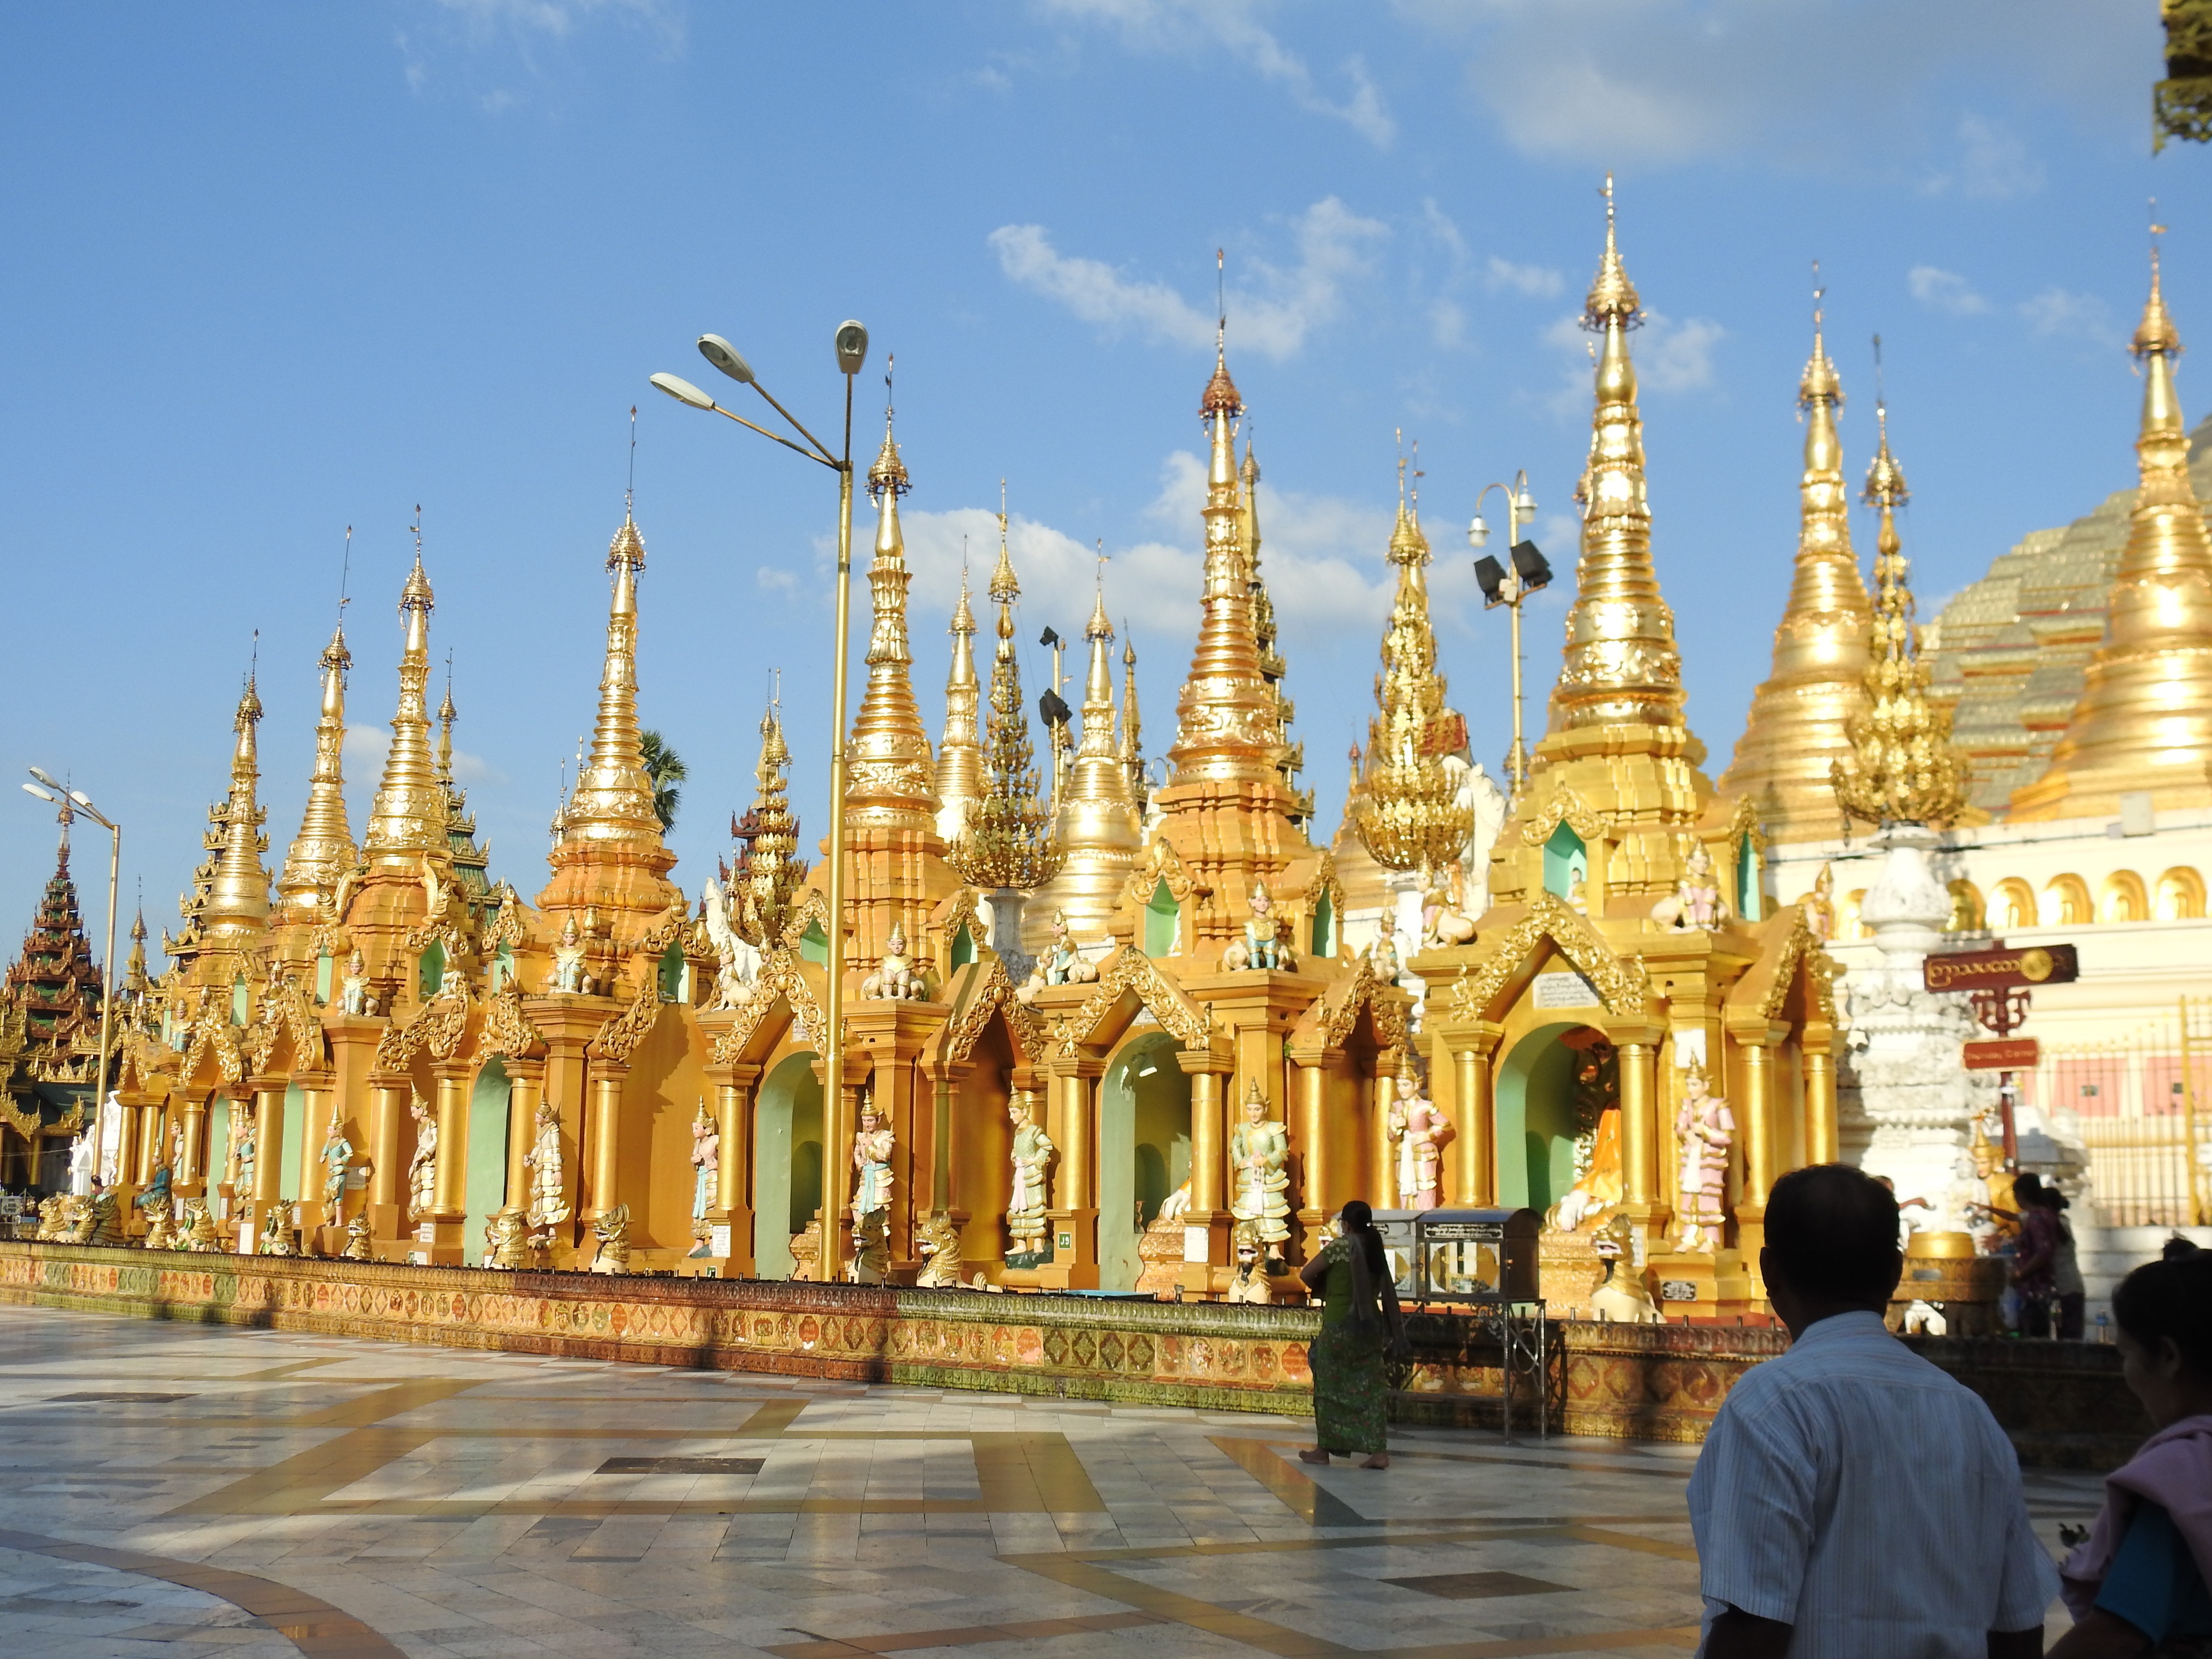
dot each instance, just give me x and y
(1550, 1090)
(485, 1176)
(787, 1162)
(1144, 1150)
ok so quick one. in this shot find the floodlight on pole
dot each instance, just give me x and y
(1508, 583)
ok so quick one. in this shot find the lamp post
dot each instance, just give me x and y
(851, 345)
(1508, 584)
(73, 803)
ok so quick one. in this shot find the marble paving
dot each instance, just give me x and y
(184, 1491)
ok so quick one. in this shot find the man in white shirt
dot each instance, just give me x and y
(1852, 1501)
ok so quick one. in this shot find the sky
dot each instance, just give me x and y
(275, 270)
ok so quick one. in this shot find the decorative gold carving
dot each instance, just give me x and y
(995, 995)
(619, 1038)
(213, 1036)
(1129, 971)
(507, 1029)
(779, 980)
(1562, 804)
(507, 925)
(437, 1029)
(1622, 985)
(1334, 1014)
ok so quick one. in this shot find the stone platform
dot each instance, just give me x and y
(2063, 1403)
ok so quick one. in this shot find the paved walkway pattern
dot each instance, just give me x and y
(170, 1490)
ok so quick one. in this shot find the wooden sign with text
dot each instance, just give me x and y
(2004, 1055)
(2001, 970)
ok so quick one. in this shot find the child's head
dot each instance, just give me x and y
(2164, 1309)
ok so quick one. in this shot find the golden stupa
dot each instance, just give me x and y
(2144, 719)
(1797, 728)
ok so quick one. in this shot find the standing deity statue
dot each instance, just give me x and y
(1257, 1153)
(353, 987)
(1267, 941)
(895, 979)
(568, 958)
(244, 1153)
(872, 1163)
(706, 1164)
(1820, 904)
(1025, 1207)
(1420, 1132)
(548, 1205)
(423, 1168)
(336, 1157)
(1705, 1130)
(84, 1161)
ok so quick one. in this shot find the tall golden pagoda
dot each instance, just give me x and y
(1095, 819)
(1900, 768)
(768, 877)
(960, 755)
(1408, 816)
(1010, 841)
(895, 868)
(228, 918)
(1616, 739)
(611, 862)
(472, 863)
(2144, 719)
(323, 849)
(1226, 809)
(1797, 726)
(1265, 633)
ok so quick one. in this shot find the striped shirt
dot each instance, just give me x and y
(1851, 1489)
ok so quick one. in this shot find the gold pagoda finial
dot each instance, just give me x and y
(1009, 840)
(1409, 815)
(1613, 297)
(612, 801)
(447, 715)
(238, 897)
(1800, 721)
(323, 849)
(1132, 750)
(408, 815)
(770, 874)
(1096, 820)
(1902, 769)
(2143, 722)
(960, 755)
(889, 782)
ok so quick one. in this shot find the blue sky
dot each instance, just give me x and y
(274, 270)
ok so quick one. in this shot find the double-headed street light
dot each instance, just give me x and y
(851, 345)
(1508, 584)
(76, 803)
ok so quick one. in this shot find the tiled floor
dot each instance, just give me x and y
(179, 1490)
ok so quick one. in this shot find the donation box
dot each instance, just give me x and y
(1462, 1255)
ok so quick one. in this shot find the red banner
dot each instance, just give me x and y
(2004, 1055)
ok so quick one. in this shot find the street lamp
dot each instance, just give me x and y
(1508, 584)
(851, 345)
(74, 802)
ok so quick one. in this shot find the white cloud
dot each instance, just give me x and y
(1273, 315)
(558, 18)
(773, 580)
(519, 40)
(1184, 25)
(1820, 85)
(1537, 282)
(2056, 311)
(1945, 291)
(1992, 165)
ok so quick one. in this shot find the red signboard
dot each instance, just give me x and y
(2004, 968)
(2004, 1055)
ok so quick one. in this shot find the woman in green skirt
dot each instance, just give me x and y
(1359, 1326)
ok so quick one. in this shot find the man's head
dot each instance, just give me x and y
(1831, 1243)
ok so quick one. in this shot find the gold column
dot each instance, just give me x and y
(1380, 1089)
(1313, 1139)
(1206, 1142)
(268, 1142)
(732, 1113)
(1477, 1130)
(192, 1178)
(149, 1148)
(1639, 1125)
(1076, 1157)
(940, 1136)
(387, 1108)
(1758, 1127)
(1821, 1141)
(452, 1187)
(605, 1155)
(526, 1081)
(315, 1105)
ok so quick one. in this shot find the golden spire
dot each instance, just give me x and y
(1265, 634)
(136, 981)
(612, 801)
(771, 872)
(1902, 769)
(1622, 668)
(889, 781)
(1097, 822)
(1409, 815)
(323, 849)
(2144, 719)
(1010, 840)
(238, 900)
(960, 755)
(1800, 718)
(408, 816)
(1133, 749)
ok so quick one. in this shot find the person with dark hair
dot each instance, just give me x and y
(2176, 1248)
(1852, 1501)
(2068, 1294)
(2137, 1584)
(1359, 1326)
(2034, 1268)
